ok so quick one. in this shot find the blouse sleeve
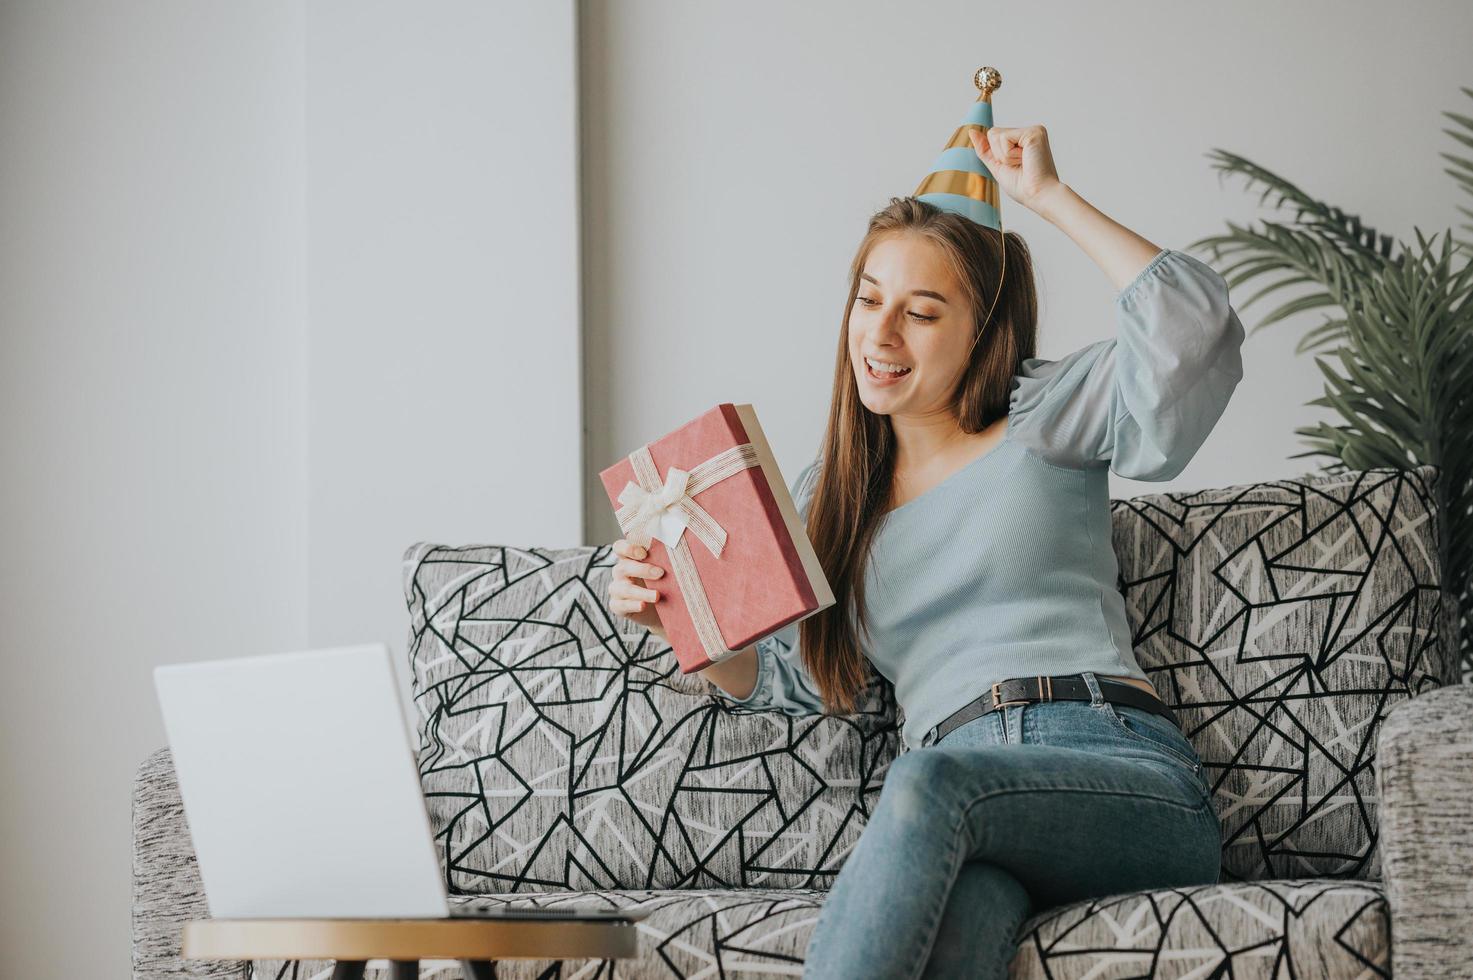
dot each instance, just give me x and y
(782, 681)
(1144, 401)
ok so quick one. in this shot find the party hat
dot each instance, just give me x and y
(958, 180)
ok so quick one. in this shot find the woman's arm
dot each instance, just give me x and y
(736, 676)
(1118, 251)
(1145, 400)
(782, 682)
(1020, 160)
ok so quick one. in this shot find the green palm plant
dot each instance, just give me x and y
(1398, 324)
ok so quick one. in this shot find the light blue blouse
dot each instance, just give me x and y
(1006, 568)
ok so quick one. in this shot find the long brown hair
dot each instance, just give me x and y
(858, 452)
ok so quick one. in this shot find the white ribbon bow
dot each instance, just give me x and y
(657, 513)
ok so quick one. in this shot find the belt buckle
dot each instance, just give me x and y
(1044, 684)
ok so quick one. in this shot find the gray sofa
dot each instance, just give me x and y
(1297, 627)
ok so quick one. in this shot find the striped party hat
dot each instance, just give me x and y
(958, 180)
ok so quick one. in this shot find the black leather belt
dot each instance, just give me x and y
(1059, 687)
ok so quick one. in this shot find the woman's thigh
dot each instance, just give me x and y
(1066, 796)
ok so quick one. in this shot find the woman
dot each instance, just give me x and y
(959, 505)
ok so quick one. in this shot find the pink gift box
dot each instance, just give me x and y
(767, 574)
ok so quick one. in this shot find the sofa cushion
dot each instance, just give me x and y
(1301, 928)
(1282, 620)
(1304, 928)
(561, 747)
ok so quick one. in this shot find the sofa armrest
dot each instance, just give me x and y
(167, 890)
(1424, 782)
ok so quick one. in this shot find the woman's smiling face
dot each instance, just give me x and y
(909, 311)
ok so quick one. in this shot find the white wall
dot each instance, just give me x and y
(152, 300)
(737, 150)
(442, 201)
(202, 207)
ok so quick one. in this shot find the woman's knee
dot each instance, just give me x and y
(920, 786)
(982, 880)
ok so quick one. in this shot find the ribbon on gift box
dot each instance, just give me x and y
(664, 509)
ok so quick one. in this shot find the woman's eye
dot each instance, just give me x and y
(870, 302)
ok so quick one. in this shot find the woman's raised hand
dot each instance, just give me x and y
(1020, 160)
(628, 594)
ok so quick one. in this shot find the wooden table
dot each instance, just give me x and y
(351, 943)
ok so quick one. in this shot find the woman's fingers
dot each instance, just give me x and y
(628, 595)
(631, 567)
(624, 585)
(1006, 145)
(628, 548)
(1019, 159)
(626, 589)
(995, 149)
(980, 144)
(627, 605)
(635, 569)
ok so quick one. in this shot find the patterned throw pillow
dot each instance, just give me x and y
(561, 747)
(1282, 620)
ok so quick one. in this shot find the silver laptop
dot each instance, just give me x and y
(302, 792)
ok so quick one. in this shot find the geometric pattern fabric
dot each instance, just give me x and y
(1282, 621)
(1310, 929)
(566, 760)
(561, 748)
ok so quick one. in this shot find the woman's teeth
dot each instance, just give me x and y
(881, 374)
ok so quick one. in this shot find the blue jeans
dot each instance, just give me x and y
(1024, 808)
